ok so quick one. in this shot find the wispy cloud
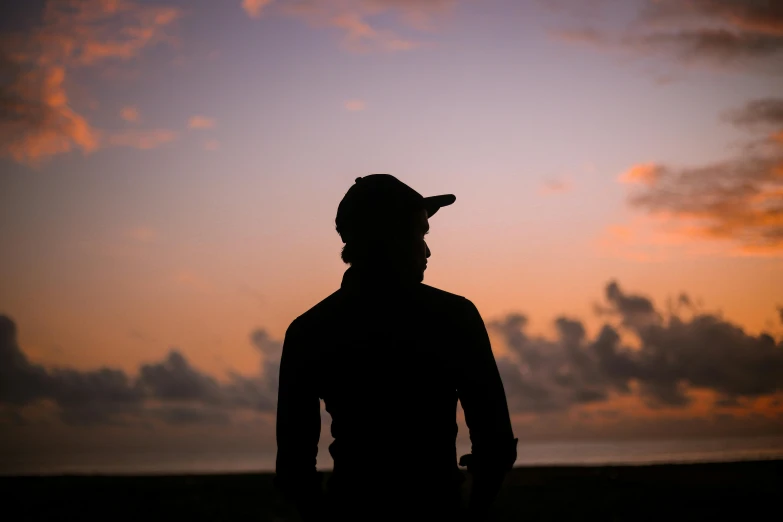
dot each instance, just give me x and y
(356, 19)
(355, 105)
(645, 173)
(129, 114)
(762, 113)
(555, 186)
(212, 145)
(738, 201)
(143, 139)
(200, 122)
(727, 33)
(39, 120)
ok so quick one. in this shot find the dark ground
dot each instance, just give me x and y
(731, 491)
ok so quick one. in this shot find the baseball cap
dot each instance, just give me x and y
(380, 198)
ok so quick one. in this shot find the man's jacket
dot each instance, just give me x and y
(390, 359)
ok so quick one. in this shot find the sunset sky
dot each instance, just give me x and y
(170, 173)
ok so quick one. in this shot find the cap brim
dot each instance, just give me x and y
(433, 203)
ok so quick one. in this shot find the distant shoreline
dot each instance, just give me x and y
(229, 473)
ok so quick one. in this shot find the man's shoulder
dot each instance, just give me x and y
(320, 312)
(443, 298)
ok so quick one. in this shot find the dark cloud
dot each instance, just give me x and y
(635, 310)
(83, 397)
(256, 393)
(739, 200)
(722, 46)
(761, 112)
(726, 32)
(265, 344)
(185, 416)
(107, 395)
(175, 379)
(260, 392)
(100, 396)
(544, 375)
(20, 381)
(761, 16)
(675, 356)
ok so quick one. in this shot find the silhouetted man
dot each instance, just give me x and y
(390, 357)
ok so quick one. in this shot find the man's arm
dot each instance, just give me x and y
(483, 399)
(298, 426)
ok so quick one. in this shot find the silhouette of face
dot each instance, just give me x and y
(401, 248)
(420, 251)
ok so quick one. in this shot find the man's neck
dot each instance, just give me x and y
(380, 275)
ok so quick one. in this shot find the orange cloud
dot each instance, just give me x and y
(355, 105)
(212, 145)
(645, 173)
(254, 7)
(200, 122)
(39, 121)
(652, 239)
(738, 202)
(143, 139)
(130, 114)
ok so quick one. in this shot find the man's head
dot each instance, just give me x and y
(382, 222)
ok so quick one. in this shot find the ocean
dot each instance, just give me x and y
(627, 452)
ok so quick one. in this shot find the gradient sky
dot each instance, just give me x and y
(170, 172)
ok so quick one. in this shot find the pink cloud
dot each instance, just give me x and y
(355, 105)
(39, 121)
(129, 114)
(200, 122)
(644, 173)
(254, 7)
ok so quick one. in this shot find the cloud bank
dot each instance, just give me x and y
(681, 356)
(171, 389)
(676, 358)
